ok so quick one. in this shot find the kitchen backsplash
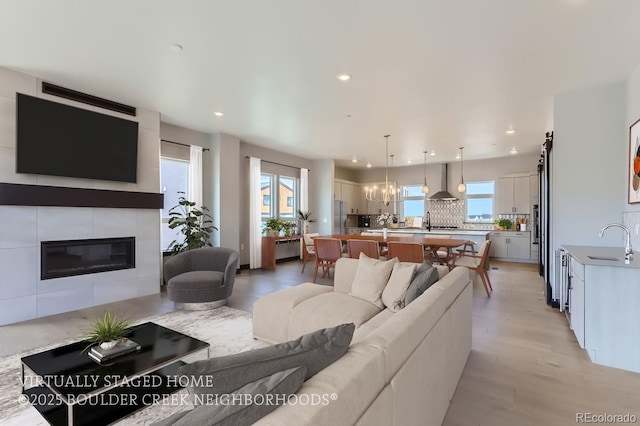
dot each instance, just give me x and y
(632, 221)
(446, 212)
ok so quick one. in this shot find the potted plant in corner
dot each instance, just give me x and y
(108, 331)
(272, 227)
(305, 217)
(194, 223)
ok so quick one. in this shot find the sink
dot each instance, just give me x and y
(612, 259)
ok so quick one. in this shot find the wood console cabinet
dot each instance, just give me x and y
(269, 250)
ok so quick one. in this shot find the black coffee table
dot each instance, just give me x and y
(69, 388)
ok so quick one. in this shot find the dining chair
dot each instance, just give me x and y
(328, 251)
(478, 263)
(370, 248)
(406, 252)
(308, 249)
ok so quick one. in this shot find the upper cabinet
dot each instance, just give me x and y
(512, 195)
(351, 193)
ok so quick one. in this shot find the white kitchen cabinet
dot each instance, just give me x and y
(576, 300)
(351, 193)
(512, 195)
(603, 305)
(510, 245)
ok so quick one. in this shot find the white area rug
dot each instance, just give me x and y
(228, 331)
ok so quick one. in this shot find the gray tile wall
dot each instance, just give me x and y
(23, 295)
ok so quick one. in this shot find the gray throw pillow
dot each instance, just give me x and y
(246, 405)
(226, 374)
(425, 277)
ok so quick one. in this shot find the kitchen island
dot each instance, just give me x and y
(475, 235)
(603, 296)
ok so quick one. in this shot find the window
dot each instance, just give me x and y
(266, 187)
(480, 201)
(413, 204)
(174, 179)
(279, 200)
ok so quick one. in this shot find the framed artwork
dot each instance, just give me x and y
(634, 163)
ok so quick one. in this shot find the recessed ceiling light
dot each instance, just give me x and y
(513, 150)
(354, 160)
(432, 153)
(343, 76)
(369, 165)
(176, 48)
(457, 156)
(510, 131)
(218, 113)
(409, 161)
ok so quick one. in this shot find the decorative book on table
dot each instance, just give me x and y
(123, 347)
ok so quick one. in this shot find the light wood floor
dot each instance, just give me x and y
(525, 367)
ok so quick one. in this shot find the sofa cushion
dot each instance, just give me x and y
(396, 289)
(328, 310)
(371, 325)
(271, 312)
(228, 373)
(263, 396)
(371, 278)
(197, 279)
(425, 277)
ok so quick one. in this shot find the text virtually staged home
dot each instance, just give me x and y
(320, 213)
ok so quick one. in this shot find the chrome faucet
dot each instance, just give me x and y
(628, 250)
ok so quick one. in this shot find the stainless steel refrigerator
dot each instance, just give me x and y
(339, 217)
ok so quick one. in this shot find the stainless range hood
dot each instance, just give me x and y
(443, 194)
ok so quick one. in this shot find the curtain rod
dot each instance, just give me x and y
(278, 164)
(183, 144)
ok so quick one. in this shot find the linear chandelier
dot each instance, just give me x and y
(388, 193)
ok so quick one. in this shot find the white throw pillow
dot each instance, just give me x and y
(371, 278)
(396, 289)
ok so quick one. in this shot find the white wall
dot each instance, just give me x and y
(321, 190)
(227, 215)
(631, 216)
(589, 158)
(22, 294)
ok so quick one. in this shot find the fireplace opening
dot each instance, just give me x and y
(78, 257)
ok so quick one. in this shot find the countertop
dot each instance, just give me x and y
(581, 253)
(434, 231)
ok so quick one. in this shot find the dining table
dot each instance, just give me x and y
(430, 244)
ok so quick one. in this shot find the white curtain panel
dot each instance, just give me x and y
(195, 175)
(304, 189)
(304, 197)
(255, 223)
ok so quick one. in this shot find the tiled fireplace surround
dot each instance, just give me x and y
(23, 295)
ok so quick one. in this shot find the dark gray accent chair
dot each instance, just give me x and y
(201, 278)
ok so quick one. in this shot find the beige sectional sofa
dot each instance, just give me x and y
(401, 368)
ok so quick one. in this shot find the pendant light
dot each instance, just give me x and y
(461, 186)
(425, 187)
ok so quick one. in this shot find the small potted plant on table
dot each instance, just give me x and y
(108, 331)
(273, 226)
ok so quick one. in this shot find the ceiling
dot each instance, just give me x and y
(434, 74)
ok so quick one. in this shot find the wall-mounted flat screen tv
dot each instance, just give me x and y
(61, 140)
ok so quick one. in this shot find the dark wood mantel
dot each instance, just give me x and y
(16, 194)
